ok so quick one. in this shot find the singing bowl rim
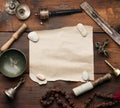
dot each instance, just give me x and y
(17, 51)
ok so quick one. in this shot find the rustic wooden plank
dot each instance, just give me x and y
(104, 8)
(29, 93)
(113, 50)
(28, 96)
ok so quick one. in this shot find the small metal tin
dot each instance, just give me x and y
(22, 12)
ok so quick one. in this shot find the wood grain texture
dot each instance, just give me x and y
(28, 96)
(104, 8)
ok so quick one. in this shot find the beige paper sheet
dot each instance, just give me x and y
(62, 54)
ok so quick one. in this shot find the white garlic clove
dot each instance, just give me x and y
(82, 29)
(33, 36)
(85, 76)
(40, 77)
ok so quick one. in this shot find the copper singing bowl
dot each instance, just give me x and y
(12, 63)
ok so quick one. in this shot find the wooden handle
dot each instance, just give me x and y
(14, 37)
(102, 79)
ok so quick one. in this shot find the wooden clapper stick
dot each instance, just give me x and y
(14, 37)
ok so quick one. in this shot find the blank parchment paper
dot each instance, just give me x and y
(62, 54)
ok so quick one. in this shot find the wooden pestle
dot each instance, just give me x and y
(14, 37)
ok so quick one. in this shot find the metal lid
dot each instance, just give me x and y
(22, 12)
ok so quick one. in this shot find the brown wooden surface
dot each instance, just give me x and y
(29, 94)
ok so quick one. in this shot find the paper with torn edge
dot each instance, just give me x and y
(62, 54)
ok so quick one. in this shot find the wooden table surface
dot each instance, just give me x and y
(28, 96)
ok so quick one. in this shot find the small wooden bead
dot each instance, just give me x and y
(51, 98)
(71, 103)
(59, 101)
(67, 96)
(64, 105)
(56, 95)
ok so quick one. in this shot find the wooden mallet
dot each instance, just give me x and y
(14, 37)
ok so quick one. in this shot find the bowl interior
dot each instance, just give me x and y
(12, 63)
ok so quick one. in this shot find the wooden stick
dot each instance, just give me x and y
(14, 37)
